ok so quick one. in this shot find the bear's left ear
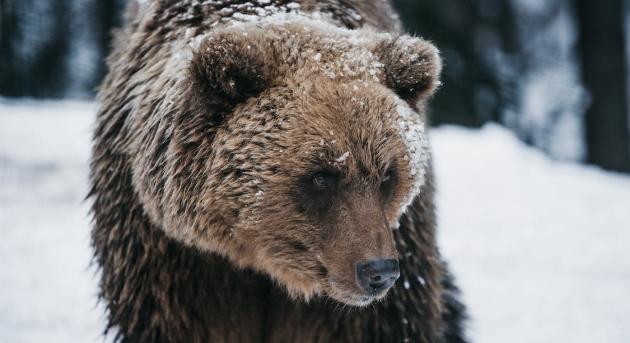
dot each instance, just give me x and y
(226, 70)
(412, 67)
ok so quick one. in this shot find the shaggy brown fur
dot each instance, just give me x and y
(216, 118)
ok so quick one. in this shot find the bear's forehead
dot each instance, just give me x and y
(356, 111)
(348, 126)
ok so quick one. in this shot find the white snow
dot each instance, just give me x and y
(540, 248)
(343, 158)
(47, 290)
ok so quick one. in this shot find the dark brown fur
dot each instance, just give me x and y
(205, 230)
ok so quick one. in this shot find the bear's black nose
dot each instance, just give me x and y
(378, 275)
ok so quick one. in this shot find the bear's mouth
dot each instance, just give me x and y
(342, 294)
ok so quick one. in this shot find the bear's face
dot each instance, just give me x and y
(312, 153)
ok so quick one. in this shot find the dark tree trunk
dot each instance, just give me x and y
(604, 74)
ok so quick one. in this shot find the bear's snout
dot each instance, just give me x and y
(377, 276)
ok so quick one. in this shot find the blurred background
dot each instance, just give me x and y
(532, 151)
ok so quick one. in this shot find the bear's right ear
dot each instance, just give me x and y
(412, 67)
(226, 70)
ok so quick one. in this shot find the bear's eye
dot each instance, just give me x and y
(324, 181)
(387, 178)
(387, 184)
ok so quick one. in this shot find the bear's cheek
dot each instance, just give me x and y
(283, 242)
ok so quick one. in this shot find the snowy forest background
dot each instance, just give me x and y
(553, 71)
(535, 230)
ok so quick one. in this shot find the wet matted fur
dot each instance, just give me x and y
(214, 117)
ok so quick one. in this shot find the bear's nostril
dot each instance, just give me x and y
(378, 275)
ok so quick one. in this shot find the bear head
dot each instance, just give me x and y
(293, 148)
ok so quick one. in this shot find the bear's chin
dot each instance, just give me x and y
(358, 299)
(334, 291)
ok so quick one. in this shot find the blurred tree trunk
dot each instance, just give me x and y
(604, 73)
(8, 29)
(33, 47)
(110, 16)
(43, 43)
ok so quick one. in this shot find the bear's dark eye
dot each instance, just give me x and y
(387, 178)
(316, 192)
(387, 184)
(324, 181)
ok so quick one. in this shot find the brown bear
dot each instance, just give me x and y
(261, 173)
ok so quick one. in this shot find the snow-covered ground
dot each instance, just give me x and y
(541, 249)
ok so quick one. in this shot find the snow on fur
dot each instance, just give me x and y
(412, 131)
